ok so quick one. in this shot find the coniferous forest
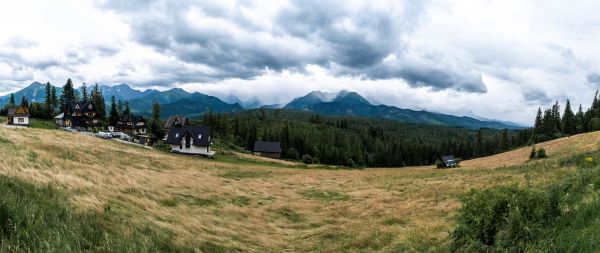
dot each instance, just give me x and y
(550, 125)
(358, 142)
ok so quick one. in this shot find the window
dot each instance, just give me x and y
(21, 120)
(177, 135)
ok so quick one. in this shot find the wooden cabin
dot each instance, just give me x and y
(80, 116)
(130, 124)
(267, 149)
(18, 116)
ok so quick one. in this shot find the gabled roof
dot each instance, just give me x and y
(132, 118)
(200, 135)
(267, 147)
(81, 106)
(171, 121)
(19, 111)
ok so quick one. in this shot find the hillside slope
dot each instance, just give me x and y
(255, 207)
(562, 147)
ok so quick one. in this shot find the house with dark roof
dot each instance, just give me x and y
(18, 116)
(80, 115)
(267, 149)
(130, 124)
(193, 140)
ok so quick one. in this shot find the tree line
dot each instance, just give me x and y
(55, 104)
(551, 125)
(358, 142)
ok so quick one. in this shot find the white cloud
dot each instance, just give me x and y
(496, 59)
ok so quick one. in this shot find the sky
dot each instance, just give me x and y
(492, 59)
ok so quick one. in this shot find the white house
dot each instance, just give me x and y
(193, 140)
(18, 116)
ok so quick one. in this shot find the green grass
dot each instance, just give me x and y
(244, 174)
(561, 216)
(325, 195)
(41, 123)
(36, 219)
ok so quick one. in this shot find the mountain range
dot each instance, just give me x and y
(343, 103)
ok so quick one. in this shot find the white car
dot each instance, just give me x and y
(104, 135)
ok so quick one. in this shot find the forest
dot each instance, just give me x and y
(358, 142)
(551, 125)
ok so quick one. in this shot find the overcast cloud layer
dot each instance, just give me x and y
(495, 59)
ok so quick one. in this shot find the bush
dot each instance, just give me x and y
(541, 154)
(439, 164)
(292, 153)
(533, 153)
(504, 219)
(306, 158)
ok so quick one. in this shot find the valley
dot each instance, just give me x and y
(222, 205)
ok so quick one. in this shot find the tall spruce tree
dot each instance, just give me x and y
(155, 126)
(114, 113)
(568, 120)
(579, 119)
(556, 117)
(11, 102)
(126, 111)
(120, 107)
(68, 94)
(24, 102)
(98, 99)
(537, 127)
(48, 104)
(84, 93)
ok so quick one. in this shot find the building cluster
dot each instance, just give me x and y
(179, 134)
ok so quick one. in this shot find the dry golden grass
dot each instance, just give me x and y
(258, 209)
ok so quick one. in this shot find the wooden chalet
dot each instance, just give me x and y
(131, 124)
(267, 149)
(18, 116)
(193, 140)
(80, 115)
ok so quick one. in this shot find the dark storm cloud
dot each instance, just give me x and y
(537, 97)
(594, 79)
(346, 39)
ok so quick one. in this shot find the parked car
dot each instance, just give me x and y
(104, 135)
(68, 129)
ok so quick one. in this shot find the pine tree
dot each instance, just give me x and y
(537, 127)
(49, 109)
(556, 118)
(12, 100)
(120, 107)
(155, 127)
(568, 120)
(548, 125)
(98, 99)
(68, 94)
(114, 113)
(24, 102)
(579, 119)
(504, 141)
(126, 111)
(84, 93)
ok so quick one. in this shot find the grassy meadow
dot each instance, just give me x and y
(154, 199)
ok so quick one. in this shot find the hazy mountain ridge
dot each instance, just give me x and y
(342, 103)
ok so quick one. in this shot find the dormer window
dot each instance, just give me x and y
(77, 107)
(177, 135)
(199, 136)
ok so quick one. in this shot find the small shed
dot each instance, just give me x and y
(267, 149)
(449, 161)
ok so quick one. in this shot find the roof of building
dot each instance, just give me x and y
(267, 147)
(60, 116)
(81, 106)
(132, 118)
(19, 111)
(449, 160)
(200, 135)
(171, 121)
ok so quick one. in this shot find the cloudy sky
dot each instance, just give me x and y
(495, 59)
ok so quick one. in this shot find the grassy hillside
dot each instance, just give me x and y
(223, 206)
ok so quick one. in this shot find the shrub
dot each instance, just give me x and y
(541, 154)
(533, 153)
(439, 164)
(306, 158)
(292, 153)
(504, 219)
